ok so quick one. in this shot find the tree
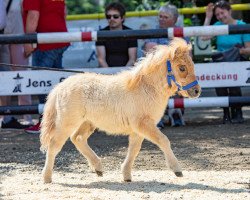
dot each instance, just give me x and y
(83, 6)
(97, 6)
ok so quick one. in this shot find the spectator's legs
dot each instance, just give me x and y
(49, 58)
(17, 57)
(236, 111)
(59, 53)
(224, 92)
(40, 59)
(25, 100)
(5, 101)
(5, 58)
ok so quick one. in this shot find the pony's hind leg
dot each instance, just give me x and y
(134, 147)
(80, 140)
(146, 127)
(54, 147)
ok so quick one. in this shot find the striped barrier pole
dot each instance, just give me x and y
(201, 102)
(21, 110)
(60, 37)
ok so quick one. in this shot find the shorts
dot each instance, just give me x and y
(50, 58)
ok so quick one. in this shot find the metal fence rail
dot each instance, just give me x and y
(60, 37)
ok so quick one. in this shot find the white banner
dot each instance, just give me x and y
(209, 75)
(225, 74)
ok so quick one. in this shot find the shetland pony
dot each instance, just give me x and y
(130, 103)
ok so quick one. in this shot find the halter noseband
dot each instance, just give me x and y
(170, 76)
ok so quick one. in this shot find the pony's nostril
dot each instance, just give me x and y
(196, 91)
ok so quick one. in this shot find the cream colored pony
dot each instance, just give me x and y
(130, 103)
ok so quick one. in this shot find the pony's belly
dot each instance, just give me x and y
(111, 126)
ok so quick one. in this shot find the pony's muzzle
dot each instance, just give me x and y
(194, 92)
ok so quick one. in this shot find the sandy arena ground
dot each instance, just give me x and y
(215, 159)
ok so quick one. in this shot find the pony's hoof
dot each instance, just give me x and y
(99, 173)
(178, 174)
(128, 180)
(47, 180)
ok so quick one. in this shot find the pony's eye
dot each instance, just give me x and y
(182, 68)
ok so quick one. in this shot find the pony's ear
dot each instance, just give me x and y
(178, 52)
(179, 47)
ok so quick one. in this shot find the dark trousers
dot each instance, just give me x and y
(230, 91)
(49, 58)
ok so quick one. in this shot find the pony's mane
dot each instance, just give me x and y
(156, 58)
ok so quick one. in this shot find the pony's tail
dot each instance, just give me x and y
(48, 122)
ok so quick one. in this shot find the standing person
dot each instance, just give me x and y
(223, 12)
(4, 58)
(44, 16)
(168, 15)
(15, 26)
(118, 52)
(7, 121)
(4, 52)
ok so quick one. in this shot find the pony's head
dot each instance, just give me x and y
(180, 69)
(170, 64)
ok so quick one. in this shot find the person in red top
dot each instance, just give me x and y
(44, 16)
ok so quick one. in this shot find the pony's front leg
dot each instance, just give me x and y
(134, 147)
(147, 128)
(54, 148)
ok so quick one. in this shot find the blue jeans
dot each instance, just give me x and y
(50, 58)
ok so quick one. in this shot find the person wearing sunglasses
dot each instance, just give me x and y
(116, 53)
(223, 13)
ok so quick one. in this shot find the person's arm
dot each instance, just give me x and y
(132, 54)
(246, 49)
(209, 15)
(101, 56)
(31, 27)
(17, 56)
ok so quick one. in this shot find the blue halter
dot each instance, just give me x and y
(170, 76)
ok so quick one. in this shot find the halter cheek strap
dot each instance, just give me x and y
(170, 77)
